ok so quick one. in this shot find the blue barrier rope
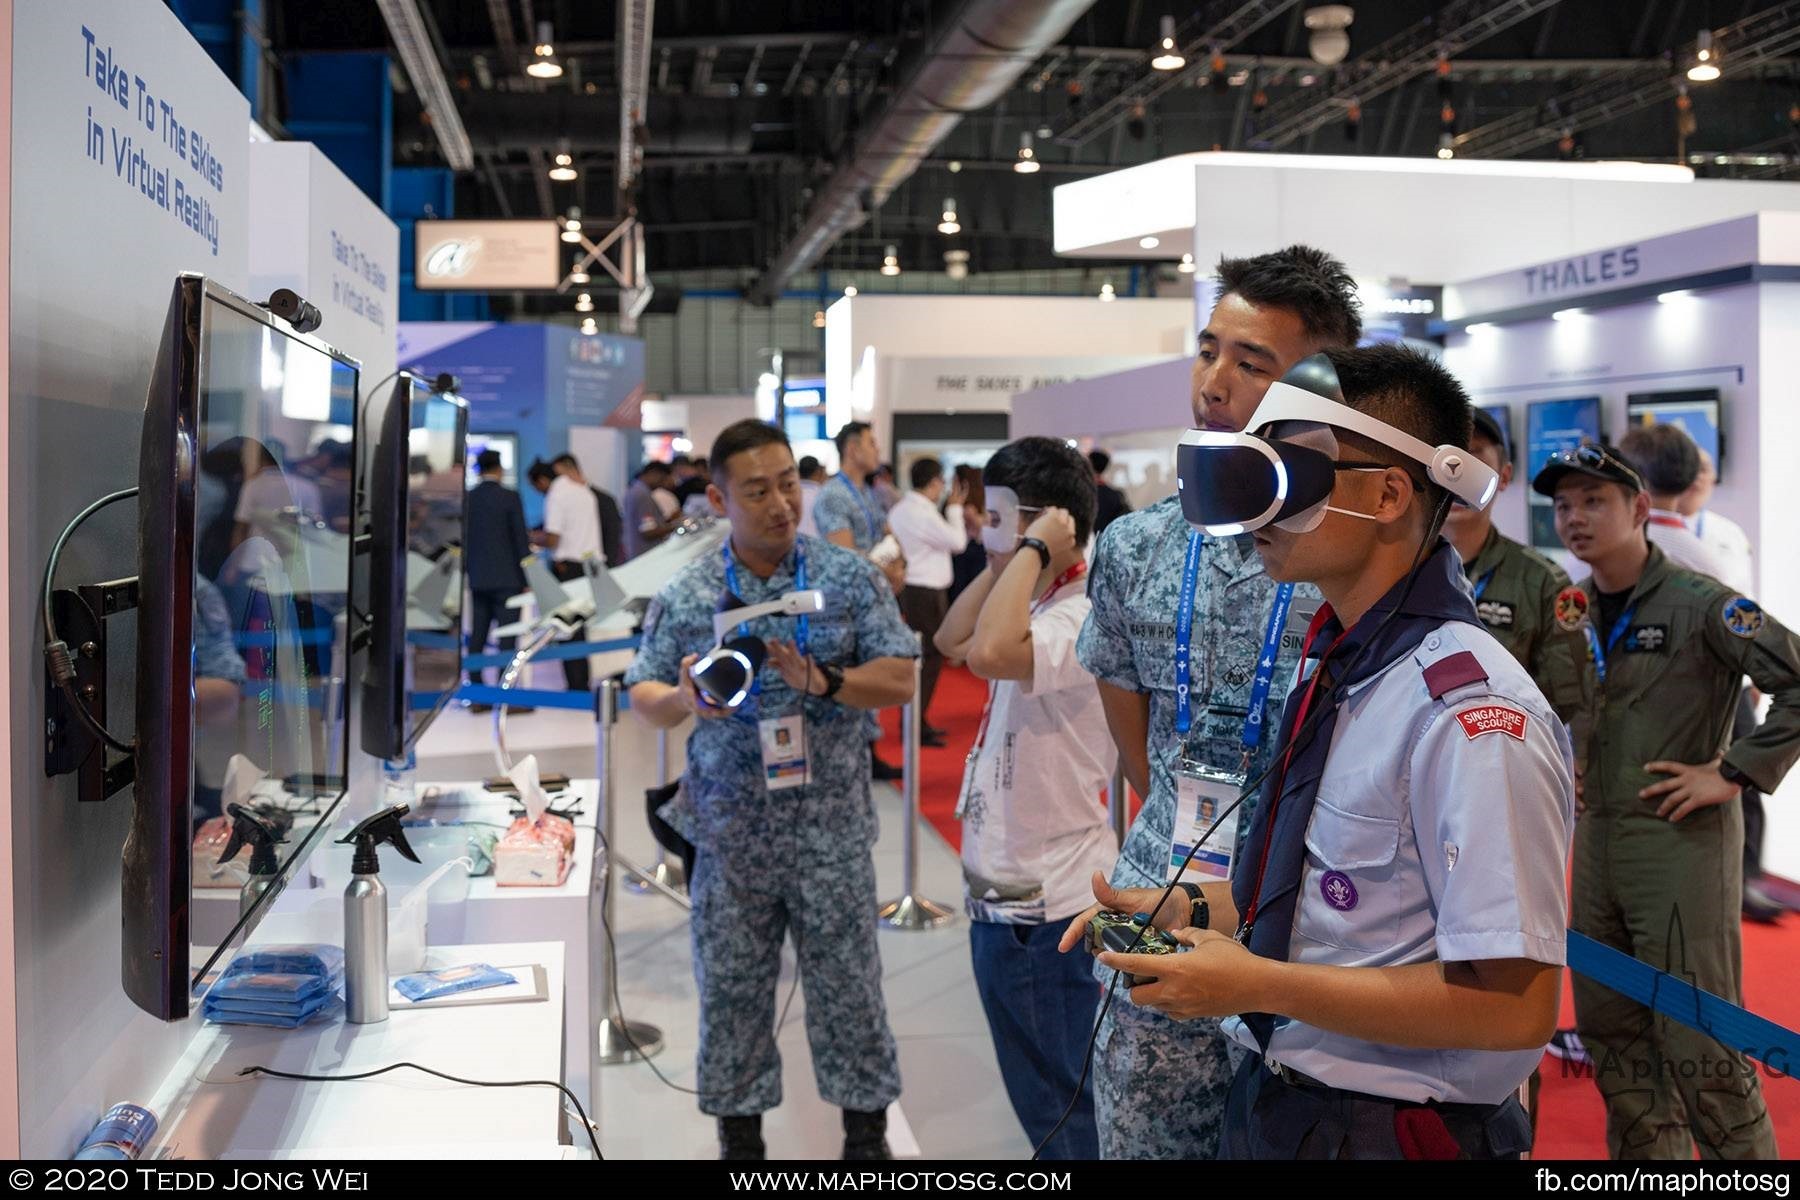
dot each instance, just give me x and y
(1756, 1037)
(479, 693)
(554, 652)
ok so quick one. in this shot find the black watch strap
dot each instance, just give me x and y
(1037, 544)
(834, 679)
(1199, 911)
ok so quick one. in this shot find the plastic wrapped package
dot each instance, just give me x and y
(429, 985)
(537, 853)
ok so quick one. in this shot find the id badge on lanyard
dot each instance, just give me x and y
(783, 751)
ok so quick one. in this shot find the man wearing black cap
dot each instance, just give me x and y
(497, 544)
(1659, 847)
(1515, 587)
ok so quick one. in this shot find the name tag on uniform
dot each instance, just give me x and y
(1647, 639)
(1299, 620)
(1202, 795)
(783, 752)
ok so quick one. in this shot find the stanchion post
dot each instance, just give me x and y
(667, 875)
(612, 1038)
(1118, 805)
(912, 911)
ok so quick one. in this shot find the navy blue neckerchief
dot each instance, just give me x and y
(1439, 594)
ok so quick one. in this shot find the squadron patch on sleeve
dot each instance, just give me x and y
(1571, 608)
(1742, 617)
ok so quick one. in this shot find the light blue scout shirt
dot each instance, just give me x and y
(843, 505)
(1441, 832)
(727, 807)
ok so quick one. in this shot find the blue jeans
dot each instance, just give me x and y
(1040, 1007)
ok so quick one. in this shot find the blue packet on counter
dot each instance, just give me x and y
(266, 987)
(429, 985)
(326, 962)
(330, 1007)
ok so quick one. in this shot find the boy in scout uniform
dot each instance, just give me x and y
(1659, 847)
(1515, 587)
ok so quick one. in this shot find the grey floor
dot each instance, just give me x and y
(954, 1105)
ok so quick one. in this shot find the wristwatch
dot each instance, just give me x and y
(1200, 913)
(1037, 544)
(834, 679)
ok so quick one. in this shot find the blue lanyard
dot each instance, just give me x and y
(1184, 638)
(1612, 639)
(803, 630)
(1481, 584)
(862, 503)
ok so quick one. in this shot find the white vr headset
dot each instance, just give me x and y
(1283, 475)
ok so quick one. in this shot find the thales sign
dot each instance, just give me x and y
(1566, 276)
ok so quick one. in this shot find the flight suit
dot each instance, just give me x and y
(1669, 893)
(791, 860)
(1160, 1084)
(1515, 597)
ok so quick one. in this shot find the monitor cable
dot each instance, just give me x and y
(56, 651)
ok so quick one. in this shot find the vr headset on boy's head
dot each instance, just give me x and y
(1283, 473)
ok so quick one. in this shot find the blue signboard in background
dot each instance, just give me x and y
(1502, 414)
(1552, 425)
(1696, 411)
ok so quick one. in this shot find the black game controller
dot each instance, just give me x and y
(1117, 932)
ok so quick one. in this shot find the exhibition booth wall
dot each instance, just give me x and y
(127, 161)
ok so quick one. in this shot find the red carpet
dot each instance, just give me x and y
(1571, 1118)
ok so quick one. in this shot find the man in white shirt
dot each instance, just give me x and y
(1033, 828)
(1669, 462)
(928, 537)
(571, 531)
(812, 478)
(1716, 531)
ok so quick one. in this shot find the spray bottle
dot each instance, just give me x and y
(247, 829)
(366, 917)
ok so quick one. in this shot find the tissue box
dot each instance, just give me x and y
(210, 841)
(537, 854)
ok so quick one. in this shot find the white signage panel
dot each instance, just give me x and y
(487, 255)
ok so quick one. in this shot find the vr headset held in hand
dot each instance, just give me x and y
(725, 674)
(1283, 473)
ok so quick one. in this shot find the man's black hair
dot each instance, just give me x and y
(738, 437)
(1046, 473)
(539, 469)
(1410, 391)
(487, 460)
(925, 472)
(1308, 283)
(810, 466)
(1664, 454)
(842, 437)
(566, 460)
(1099, 460)
(653, 467)
(680, 460)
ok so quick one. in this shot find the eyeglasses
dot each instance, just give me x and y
(1593, 456)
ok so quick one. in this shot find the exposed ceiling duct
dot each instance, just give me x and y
(979, 53)
(417, 48)
(516, 122)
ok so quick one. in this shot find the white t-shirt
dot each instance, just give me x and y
(573, 515)
(1034, 829)
(1669, 533)
(928, 538)
(1731, 545)
(809, 493)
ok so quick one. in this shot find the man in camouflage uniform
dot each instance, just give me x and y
(1516, 587)
(1659, 844)
(781, 848)
(1159, 1084)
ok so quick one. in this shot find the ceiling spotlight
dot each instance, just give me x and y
(818, 318)
(1706, 59)
(584, 303)
(1028, 163)
(890, 262)
(1187, 264)
(1674, 297)
(1150, 242)
(1330, 25)
(956, 264)
(589, 326)
(578, 275)
(949, 224)
(543, 63)
(1481, 327)
(1446, 145)
(849, 290)
(564, 170)
(1107, 295)
(1565, 314)
(955, 166)
(571, 231)
(1168, 56)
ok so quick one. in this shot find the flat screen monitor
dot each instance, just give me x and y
(1697, 411)
(416, 500)
(1502, 414)
(1552, 425)
(245, 498)
(506, 445)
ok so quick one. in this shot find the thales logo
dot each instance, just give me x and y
(449, 260)
(597, 351)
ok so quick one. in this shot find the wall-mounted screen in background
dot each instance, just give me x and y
(243, 564)
(1696, 411)
(1502, 414)
(1552, 425)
